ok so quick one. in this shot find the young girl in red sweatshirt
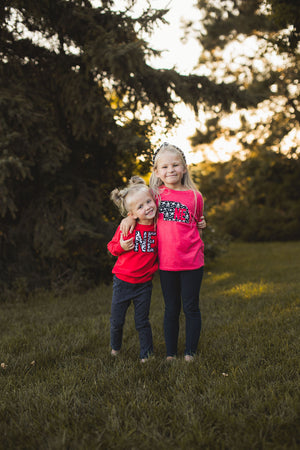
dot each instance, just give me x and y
(137, 261)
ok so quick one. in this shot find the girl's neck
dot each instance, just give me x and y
(146, 222)
(176, 188)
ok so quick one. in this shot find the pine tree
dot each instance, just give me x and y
(74, 81)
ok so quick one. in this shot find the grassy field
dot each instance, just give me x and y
(61, 389)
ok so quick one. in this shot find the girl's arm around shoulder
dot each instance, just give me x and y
(127, 225)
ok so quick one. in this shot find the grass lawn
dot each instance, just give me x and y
(61, 389)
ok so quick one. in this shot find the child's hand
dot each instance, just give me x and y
(127, 225)
(126, 245)
(202, 224)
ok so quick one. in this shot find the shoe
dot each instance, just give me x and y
(188, 358)
(170, 358)
(114, 352)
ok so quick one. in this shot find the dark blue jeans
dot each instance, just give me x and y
(123, 294)
(176, 287)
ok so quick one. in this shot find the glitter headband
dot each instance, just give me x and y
(166, 144)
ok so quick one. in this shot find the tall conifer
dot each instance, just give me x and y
(74, 79)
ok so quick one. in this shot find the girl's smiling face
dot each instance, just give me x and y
(170, 170)
(142, 207)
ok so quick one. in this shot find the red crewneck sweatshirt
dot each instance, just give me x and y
(137, 265)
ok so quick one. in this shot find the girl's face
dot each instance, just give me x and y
(170, 170)
(142, 207)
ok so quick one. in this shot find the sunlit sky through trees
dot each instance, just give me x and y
(183, 55)
(181, 51)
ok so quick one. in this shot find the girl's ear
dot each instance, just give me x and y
(133, 216)
(157, 176)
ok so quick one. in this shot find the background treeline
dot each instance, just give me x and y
(78, 102)
(253, 200)
(255, 195)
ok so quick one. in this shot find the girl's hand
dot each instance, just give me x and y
(127, 225)
(126, 245)
(202, 224)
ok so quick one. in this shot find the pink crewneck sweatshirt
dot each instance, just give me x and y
(179, 244)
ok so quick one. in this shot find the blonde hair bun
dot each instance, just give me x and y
(136, 180)
(120, 196)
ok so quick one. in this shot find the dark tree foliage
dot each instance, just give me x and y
(270, 75)
(253, 200)
(224, 20)
(74, 79)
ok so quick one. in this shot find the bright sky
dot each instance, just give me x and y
(167, 36)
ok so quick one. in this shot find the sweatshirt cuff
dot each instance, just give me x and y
(119, 250)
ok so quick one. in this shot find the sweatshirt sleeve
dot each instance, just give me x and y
(200, 206)
(114, 246)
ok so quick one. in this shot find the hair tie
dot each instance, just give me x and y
(166, 144)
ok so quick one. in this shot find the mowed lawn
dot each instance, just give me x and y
(61, 389)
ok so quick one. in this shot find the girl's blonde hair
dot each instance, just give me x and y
(120, 197)
(156, 182)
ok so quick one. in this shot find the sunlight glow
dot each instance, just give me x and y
(249, 290)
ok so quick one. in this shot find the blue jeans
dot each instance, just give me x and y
(176, 286)
(123, 294)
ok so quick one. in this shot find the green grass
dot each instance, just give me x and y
(60, 389)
